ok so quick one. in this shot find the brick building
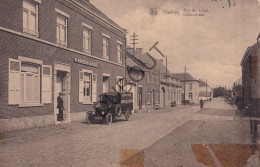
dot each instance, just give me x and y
(146, 86)
(55, 46)
(251, 79)
(170, 88)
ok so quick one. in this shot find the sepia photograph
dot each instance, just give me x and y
(129, 83)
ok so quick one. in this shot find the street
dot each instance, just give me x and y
(182, 136)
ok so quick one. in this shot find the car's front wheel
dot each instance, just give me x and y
(109, 118)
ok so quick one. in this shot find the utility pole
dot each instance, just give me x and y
(207, 89)
(184, 83)
(166, 68)
(134, 40)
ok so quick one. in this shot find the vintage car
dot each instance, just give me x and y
(112, 105)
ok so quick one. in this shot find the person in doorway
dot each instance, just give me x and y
(60, 107)
(201, 103)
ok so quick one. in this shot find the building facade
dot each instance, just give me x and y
(251, 79)
(51, 47)
(145, 82)
(170, 88)
(190, 86)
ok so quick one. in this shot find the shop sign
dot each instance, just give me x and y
(85, 62)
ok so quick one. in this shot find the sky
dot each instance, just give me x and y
(211, 46)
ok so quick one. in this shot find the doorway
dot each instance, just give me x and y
(163, 97)
(140, 97)
(62, 85)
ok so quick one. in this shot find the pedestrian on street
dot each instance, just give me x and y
(60, 107)
(201, 103)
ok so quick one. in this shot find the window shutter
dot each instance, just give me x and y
(46, 84)
(14, 82)
(94, 88)
(81, 87)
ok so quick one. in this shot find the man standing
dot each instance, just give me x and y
(201, 103)
(60, 107)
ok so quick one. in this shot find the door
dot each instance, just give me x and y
(140, 92)
(57, 89)
(62, 85)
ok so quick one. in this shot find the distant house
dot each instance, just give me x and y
(190, 86)
(251, 78)
(205, 91)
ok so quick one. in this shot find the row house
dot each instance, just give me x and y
(251, 79)
(145, 82)
(55, 46)
(170, 88)
(190, 86)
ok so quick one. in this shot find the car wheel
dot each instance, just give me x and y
(109, 118)
(118, 110)
(127, 114)
(88, 118)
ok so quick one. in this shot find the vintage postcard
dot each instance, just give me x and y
(129, 83)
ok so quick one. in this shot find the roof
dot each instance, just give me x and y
(141, 59)
(180, 76)
(248, 52)
(161, 67)
(96, 11)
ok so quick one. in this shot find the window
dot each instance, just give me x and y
(87, 40)
(62, 30)
(120, 53)
(190, 86)
(87, 87)
(157, 78)
(30, 18)
(29, 83)
(148, 77)
(148, 97)
(190, 95)
(105, 48)
(119, 84)
(157, 100)
(105, 84)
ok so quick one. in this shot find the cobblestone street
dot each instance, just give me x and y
(168, 138)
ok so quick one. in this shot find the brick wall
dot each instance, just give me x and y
(14, 45)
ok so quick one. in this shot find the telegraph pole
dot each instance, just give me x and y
(134, 40)
(184, 83)
(166, 67)
(207, 89)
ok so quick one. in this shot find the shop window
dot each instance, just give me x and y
(120, 53)
(30, 18)
(87, 87)
(25, 83)
(87, 40)
(105, 84)
(105, 48)
(62, 29)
